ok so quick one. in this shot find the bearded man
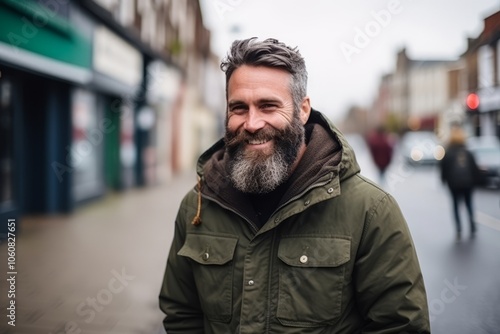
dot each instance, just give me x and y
(282, 234)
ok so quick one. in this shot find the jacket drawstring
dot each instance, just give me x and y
(197, 219)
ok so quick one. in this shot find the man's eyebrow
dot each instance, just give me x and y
(269, 100)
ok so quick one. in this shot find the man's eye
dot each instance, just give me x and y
(238, 109)
(268, 106)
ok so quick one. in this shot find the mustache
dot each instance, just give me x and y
(235, 139)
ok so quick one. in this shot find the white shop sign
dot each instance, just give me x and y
(116, 58)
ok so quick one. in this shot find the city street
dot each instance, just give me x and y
(99, 270)
(462, 278)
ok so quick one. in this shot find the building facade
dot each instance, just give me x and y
(482, 72)
(415, 94)
(432, 94)
(175, 28)
(92, 96)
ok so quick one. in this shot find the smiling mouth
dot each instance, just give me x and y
(258, 142)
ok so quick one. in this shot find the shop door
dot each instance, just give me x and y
(112, 143)
(46, 173)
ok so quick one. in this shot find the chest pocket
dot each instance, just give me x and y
(213, 272)
(311, 279)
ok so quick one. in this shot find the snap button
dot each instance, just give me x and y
(205, 256)
(276, 220)
(330, 190)
(307, 202)
(303, 259)
(251, 282)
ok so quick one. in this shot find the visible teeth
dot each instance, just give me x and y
(257, 142)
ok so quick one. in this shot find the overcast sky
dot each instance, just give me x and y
(349, 44)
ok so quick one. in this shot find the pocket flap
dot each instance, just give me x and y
(315, 251)
(209, 249)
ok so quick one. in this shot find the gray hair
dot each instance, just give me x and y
(269, 53)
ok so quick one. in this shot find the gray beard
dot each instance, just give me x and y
(256, 172)
(259, 175)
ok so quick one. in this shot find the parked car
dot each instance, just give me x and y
(486, 150)
(421, 147)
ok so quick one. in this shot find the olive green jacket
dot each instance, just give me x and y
(336, 256)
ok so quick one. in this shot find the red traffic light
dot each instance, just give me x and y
(472, 101)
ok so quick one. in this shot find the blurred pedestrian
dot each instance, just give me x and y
(381, 149)
(460, 172)
(282, 234)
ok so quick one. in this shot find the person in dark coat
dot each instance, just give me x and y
(460, 172)
(381, 150)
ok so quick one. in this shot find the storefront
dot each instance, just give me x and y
(118, 79)
(156, 120)
(42, 59)
(69, 98)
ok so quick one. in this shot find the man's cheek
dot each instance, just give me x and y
(234, 122)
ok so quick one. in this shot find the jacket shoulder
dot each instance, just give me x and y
(188, 207)
(363, 187)
(379, 206)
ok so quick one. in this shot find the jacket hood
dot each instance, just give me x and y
(328, 155)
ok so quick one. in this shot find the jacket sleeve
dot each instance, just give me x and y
(389, 286)
(178, 295)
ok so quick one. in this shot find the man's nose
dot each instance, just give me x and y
(254, 121)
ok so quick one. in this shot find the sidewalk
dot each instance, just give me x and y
(98, 270)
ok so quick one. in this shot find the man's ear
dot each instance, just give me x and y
(305, 109)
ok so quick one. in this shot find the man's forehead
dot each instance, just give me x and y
(259, 77)
(259, 69)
